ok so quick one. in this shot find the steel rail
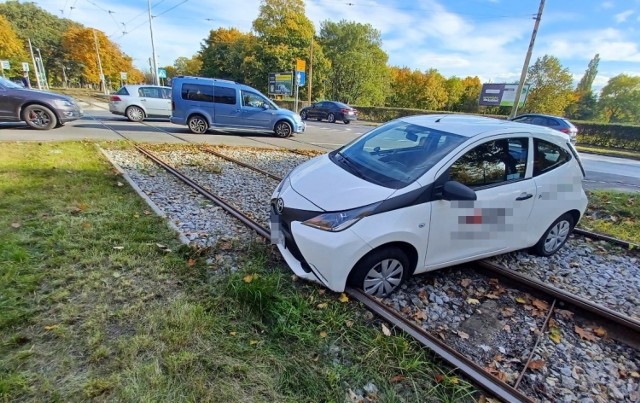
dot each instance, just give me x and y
(564, 296)
(602, 237)
(475, 372)
(243, 164)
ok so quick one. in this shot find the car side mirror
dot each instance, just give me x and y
(454, 190)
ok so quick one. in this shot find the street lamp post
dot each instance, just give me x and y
(153, 49)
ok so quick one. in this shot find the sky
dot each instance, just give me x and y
(484, 38)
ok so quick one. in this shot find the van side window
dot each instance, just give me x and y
(492, 163)
(197, 92)
(547, 156)
(224, 95)
(253, 100)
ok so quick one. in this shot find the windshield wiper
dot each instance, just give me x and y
(351, 165)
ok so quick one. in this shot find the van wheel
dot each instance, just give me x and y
(555, 236)
(381, 272)
(283, 129)
(39, 117)
(198, 124)
(331, 118)
(303, 115)
(134, 113)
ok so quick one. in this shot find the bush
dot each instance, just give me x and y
(608, 135)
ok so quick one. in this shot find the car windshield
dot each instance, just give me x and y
(8, 84)
(396, 154)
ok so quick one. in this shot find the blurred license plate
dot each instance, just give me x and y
(277, 237)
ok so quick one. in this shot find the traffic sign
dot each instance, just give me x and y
(300, 65)
(123, 75)
(25, 67)
(5, 64)
(301, 78)
(162, 73)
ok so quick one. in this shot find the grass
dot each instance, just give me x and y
(99, 301)
(613, 213)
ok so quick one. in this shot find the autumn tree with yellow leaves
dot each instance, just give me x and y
(11, 47)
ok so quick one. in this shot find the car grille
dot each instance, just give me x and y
(288, 215)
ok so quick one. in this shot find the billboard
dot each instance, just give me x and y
(280, 83)
(502, 94)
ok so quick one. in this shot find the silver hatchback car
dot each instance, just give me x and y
(137, 102)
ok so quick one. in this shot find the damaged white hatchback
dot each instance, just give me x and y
(424, 192)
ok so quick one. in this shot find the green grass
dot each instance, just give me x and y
(613, 213)
(611, 152)
(92, 309)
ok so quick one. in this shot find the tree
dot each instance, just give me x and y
(415, 89)
(551, 86)
(188, 66)
(224, 54)
(359, 72)
(470, 95)
(620, 99)
(585, 104)
(11, 47)
(455, 90)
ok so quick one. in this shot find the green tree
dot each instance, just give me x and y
(585, 105)
(225, 53)
(11, 47)
(551, 86)
(455, 90)
(470, 95)
(620, 99)
(359, 72)
(188, 66)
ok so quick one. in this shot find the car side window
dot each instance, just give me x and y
(150, 92)
(253, 100)
(224, 95)
(197, 92)
(166, 93)
(122, 91)
(492, 163)
(547, 156)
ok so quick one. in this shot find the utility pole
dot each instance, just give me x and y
(310, 69)
(153, 49)
(103, 85)
(35, 66)
(525, 67)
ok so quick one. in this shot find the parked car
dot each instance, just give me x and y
(137, 102)
(332, 111)
(42, 110)
(424, 192)
(554, 122)
(201, 103)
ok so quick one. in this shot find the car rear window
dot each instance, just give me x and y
(122, 91)
(547, 156)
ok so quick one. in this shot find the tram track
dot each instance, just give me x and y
(475, 372)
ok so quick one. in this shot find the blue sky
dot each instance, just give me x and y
(487, 38)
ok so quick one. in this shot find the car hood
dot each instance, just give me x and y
(331, 188)
(28, 92)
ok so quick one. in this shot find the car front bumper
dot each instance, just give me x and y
(68, 114)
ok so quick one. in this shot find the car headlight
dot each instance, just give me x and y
(340, 220)
(64, 103)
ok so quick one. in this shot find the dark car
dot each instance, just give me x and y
(332, 111)
(41, 110)
(553, 122)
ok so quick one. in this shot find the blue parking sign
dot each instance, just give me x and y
(301, 78)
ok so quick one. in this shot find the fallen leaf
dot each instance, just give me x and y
(322, 305)
(465, 282)
(343, 298)
(397, 379)
(118, 247)
(600, 332)
(564, 313)
(521, 300)
(406, 310)
(585, 334)
(492, 295)
(51, 327)
(537, 364)
(323, 334)
(555, 334)
(463, 335)
(248, 278)
(420, 315)
(422, 294)
(494, 281)
(635, 374)
(191, 262)
(472, 301)
(454, 380)
(15, 225)
(349, 323)
(507, 328)
(226, 245)
(146, 212)
(508, 312)
(540, 304)
(116, 274)
(385, 330)
(322, 291)
(439, 378)
(161, 246)
(232, 333)
(253, 342)
(120, 184)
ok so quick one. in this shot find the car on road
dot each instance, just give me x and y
(138, 102)
(201, 103)
(554, 122)
(425, 192)
(41, 110)
(332, 111)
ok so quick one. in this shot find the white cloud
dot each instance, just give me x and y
(607, 5)
(622, 17)
(609, 43)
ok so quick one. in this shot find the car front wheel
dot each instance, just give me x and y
(346, 121)
(283, 129)
(555, 236)
(198, 124)
(331, 118)
(303, 115)
(381, 272)
(39, 117)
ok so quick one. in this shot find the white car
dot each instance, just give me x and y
(424, 192)
(137, 102)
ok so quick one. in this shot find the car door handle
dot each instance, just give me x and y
(143, 99)
(524, 196)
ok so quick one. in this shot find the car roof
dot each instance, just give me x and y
(136, 86)
(473, 125)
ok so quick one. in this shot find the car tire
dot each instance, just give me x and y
(380, 272)
(283, 129)
(331, 118)
(346, 121)
(198, 124)
(319, 119)
(303, 115)
(555, 236)
(39, 117)
(134, 114)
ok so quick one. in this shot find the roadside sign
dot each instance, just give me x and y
(5, 64)
(301, 78)
(123, 75)
(300, 65)
(280, 83)
(25, 67)
(502, 94)
(162, 73)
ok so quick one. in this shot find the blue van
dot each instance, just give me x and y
(201, 103)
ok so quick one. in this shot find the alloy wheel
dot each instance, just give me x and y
(557, 235)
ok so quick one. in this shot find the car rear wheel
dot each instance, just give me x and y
(39, 117)
(303, 115)
(555, 236)
(198, 124)
(381, 272)
(135, 113)
(346, 121)
(283, 129)
(331, 118)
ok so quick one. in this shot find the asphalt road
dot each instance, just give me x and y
(602, 172)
